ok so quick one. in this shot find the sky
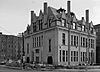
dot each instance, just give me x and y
(15, 14)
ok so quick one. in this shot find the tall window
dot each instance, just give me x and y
(37, 59)
(66, 56)
(63, 38)
(40, 24)
(39, 41)
(63, 55)
(49, 45)
(32, 56)
(27, 48)
(89, 43)
(60, 55)
(74, 25)
(63, 22)
(86, 43)
(92, 43)
(72, 40)
(83, 28)
(81, 56)
(71, 55)
(74, 55)
(81, 41)
(77, 41)
(33, 42)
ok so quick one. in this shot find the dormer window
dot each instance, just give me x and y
(83, 27)
(63, 22)
(74, 25)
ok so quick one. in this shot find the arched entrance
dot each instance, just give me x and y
(49, 60)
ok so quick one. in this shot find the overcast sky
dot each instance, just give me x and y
(15, 14)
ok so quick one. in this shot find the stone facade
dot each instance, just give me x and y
(58, 37)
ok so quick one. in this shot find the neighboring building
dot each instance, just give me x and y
(10, 47)
(59, 38)
(97, 28)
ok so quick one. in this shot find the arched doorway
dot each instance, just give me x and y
(49, 60)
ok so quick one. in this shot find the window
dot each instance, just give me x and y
(49, 45)
(86, 43)
(89, 43)
(66, 56)
(33, 42)
(81, 41)
(37, 50)
(74, 55)
(40, 24)
(39, 41)
(60, 55)
(77, 41)
(74, 25)
(50, 20)
(32, 56)
(27, 48)
(42, 40)
(83, 28)
(63, 23)
(63, 55)
(81, 56)
(84, 56)
(37, 59)
(63, 38)
(71, 55)
(72, 40)
(93, 44)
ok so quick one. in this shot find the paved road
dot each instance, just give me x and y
(2, 69)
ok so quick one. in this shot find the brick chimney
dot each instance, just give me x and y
(45, 8)
(68, 6)
(32, 13)
(87, 16)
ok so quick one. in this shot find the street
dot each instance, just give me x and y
(3, 69)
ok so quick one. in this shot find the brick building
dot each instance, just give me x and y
(58, 37)
(10, 47)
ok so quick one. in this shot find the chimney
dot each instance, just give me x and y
(45, 7)
(32, 13)
(68, 6)
(87, 16)
(82, 18)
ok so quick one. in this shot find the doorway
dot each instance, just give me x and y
(49, 60)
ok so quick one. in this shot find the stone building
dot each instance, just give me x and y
(58, 37)
(97, 28)
(10, 47)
